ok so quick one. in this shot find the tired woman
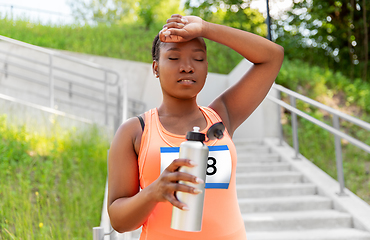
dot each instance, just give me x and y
(180, 63)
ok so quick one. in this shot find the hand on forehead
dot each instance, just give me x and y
(181, 29)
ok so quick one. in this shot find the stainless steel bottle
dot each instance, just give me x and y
(195, 150)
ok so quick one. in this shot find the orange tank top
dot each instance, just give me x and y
(221, 215)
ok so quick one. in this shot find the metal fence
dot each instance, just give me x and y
(62, 82)
(335, 129)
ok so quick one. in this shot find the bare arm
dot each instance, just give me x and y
(240, 100)
(128, 207)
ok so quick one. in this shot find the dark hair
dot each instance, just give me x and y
(155, 48)
(157, 43)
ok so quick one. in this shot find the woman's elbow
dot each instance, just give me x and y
(122, 227)
(280, 52)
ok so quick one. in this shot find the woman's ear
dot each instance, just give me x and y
(155, 69)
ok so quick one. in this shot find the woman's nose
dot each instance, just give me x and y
(186, 67)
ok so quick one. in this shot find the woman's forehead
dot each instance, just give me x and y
(196, 44)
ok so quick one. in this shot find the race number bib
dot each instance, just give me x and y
(218, 164)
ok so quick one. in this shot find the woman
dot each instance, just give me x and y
(135, 158)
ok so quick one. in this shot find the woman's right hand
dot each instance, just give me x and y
(181, 29)
(164, 188)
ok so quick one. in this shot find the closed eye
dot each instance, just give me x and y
(173, 58)
(199, 60)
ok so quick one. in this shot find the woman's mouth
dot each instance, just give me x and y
(186, 81)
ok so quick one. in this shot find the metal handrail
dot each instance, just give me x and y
(52, 72)
(58, 68)
(347, 117)
(334, 130)
(53, 53)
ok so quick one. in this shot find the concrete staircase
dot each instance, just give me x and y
(278, 202)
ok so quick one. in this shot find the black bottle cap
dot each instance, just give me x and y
(216, 131)
(195, 135)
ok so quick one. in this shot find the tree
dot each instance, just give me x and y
(234, 13)
(124, 11)
(333, 33)
(151, 11)
(147, 10)
(106, 11)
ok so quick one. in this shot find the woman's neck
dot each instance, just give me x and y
(180, 116)
(178, 107)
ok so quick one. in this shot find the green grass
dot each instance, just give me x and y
(314, 82)
(52, 187)
(317, 145)
(125, 41)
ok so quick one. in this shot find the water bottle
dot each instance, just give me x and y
(195, 150)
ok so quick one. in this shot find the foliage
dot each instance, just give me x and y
(315, 82)
(146, 12)
(125, 41)
(233, 13)
(52, 187)
(332, 33)
(157, 11)
(317, 145)
(106, 11)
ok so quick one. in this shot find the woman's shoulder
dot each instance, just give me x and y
(131, 131)
(135, 125)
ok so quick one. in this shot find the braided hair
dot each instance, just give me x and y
(155, 48)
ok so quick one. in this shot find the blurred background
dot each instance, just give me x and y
(57, 178)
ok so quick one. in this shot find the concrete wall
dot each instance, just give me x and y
(144, 87)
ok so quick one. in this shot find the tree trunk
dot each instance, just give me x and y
(366, 41)
(351, 49)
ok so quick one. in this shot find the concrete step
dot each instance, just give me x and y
(300, 220)
(258, 157)
(247, 141)
(269, 177)
(253, 149)
(274, 190)
(284, 204)
(262, 167)
(319, 234)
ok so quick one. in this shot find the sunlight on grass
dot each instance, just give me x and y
(52, 187)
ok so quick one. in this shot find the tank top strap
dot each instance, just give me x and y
(214, 117)
(145, 137)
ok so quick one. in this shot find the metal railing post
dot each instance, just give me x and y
(98, 233)
(338, 156)
(70, 93)
(295, 128)
(335, 129)
(124, 99)
(51, 82)
(119, 110)
(57, 73)
(281, 134)
(6, 69)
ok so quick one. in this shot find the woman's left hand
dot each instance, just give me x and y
(181, 29)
